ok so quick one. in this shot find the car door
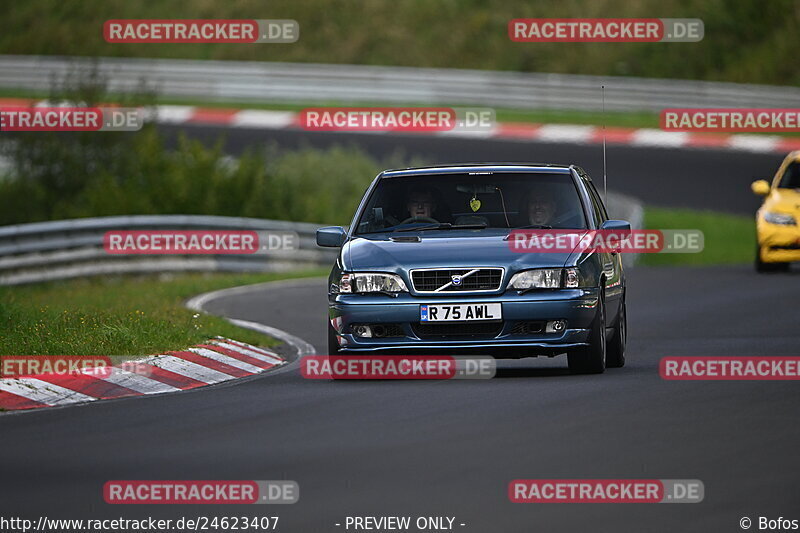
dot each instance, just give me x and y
(612, 261)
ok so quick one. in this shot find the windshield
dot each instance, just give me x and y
(791, 177)
(543, 200)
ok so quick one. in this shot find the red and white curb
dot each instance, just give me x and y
(205, 364)
(513, 131)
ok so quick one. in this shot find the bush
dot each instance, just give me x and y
(71, 180)
(57, 175)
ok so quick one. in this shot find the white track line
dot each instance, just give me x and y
(300, 346)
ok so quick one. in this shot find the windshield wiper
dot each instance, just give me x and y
(444, 225)
(532, 226)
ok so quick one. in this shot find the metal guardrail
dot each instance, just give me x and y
(62, 249)
(305, 82)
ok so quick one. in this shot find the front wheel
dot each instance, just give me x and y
(591, 359)
(333, 343)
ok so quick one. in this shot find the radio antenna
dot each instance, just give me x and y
(605, 178)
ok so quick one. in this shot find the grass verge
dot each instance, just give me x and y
(729, 239)
(118, 315)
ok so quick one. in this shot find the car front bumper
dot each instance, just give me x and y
(578, 307)
(778, 243)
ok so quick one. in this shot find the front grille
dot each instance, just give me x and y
(441, 280)
(388, 330)
(380, 330)
(527, 328)
(464, 329)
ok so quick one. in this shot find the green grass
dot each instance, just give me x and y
(119, 315)
(745, 40)
(729, 239)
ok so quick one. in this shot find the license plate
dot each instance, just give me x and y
(460, 312)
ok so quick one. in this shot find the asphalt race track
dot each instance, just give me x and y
(694, 178)
(451, 448)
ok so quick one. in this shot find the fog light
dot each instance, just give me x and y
(555, 326)
(362, 331)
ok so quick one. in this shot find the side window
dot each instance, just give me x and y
(597, 198)
(599, 212)
(791, 177)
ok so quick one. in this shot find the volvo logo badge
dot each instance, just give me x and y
(456, 279)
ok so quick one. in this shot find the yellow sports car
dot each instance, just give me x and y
(777, 231)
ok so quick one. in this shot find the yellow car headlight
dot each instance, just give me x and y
(782, 219)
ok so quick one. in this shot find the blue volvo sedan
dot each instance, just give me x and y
(426, 267)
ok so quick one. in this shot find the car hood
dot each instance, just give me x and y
(453, 251)
(783, 201)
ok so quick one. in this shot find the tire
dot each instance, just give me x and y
(333, 344)
(615, 351)
(763, 267)
(591, 359)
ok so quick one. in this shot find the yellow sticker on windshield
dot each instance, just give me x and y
(475, 204)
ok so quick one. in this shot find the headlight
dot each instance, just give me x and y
(541, 278)
(572, 279)
(371, 282)
(779, 218)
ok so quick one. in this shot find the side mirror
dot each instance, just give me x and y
(760, 187)
(331, 236)
(622, 226)
(616, 225)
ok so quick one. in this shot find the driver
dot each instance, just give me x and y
(541, 207)
(421, 204)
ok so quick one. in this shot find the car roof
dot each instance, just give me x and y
(464, 168)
